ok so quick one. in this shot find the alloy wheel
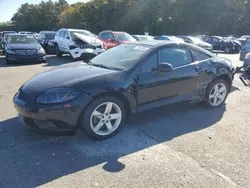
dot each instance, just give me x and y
(217, 94)
(106, 118)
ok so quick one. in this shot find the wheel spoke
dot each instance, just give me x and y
(216, 88)
(220, 96)
(109, 126)
(115, 116)
(215, 100)
(211, 96)
(108, 108)
(99, 126)
(97, 114)
(222, 89)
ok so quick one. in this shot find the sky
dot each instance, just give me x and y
(9, 7)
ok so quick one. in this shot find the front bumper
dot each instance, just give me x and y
(26, 59)
(79, 52)
(50, 118)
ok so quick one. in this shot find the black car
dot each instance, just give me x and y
(47, 40)
(219, 43)
(98, 97)
(23, 48)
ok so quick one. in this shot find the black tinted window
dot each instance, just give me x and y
(60, 34)
(149, 63)
(66, 34)
(216, 40)
(175, 56)
(199, 56)
(106, 36)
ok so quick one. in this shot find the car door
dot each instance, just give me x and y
(216, 43)
(66, 41)
(59, 40)
(163, 88)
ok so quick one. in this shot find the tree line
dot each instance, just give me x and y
(173, 17)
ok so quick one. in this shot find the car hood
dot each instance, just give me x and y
(63, 76)
(90, 40)
(24, 46)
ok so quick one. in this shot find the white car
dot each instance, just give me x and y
(78, 43)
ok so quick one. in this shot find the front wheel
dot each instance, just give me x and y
(103, 118)
(217, 93)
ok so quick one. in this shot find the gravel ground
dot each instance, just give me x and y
(177, 146)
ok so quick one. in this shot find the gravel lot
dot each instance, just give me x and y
(177, 146)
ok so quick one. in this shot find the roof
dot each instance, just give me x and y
(154, 43)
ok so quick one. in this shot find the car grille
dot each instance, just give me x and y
(25, 52)
(84, 46)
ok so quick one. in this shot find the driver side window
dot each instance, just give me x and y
(149, 64)
(175, 56)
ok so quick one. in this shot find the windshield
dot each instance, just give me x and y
(50, 35)
(83, 32)
(123, 37)
(120, 57)
(23, 39)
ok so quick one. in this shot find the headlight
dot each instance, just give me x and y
(9, 51)
(41, 51)
(57, 95)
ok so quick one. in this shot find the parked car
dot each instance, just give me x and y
(143, 37)
(80, 44)
(219, 43)
(4, 41)
(26, 32)
(2, 36)
(47, 40)
(171, 38)
(98, 97)
(111, 39)
(197, 41)
(245, 49)
(243, 38)
(23, 48)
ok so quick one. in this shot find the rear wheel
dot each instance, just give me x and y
(58, 52)
(103, 118)
(217, 93)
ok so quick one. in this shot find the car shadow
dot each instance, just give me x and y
(53, 60)
(35, 159)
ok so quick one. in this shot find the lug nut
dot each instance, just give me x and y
(103, 121)
(107, 121)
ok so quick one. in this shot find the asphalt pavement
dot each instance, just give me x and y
(175, 146)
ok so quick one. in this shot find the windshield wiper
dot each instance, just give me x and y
(103, 66)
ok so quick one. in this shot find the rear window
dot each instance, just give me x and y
(123, 37)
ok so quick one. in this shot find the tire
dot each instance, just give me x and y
(220, 96)
(58, 52)
(90, 120)
(228, 50)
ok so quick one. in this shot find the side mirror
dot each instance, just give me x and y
(164, 67)
(67, 37)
